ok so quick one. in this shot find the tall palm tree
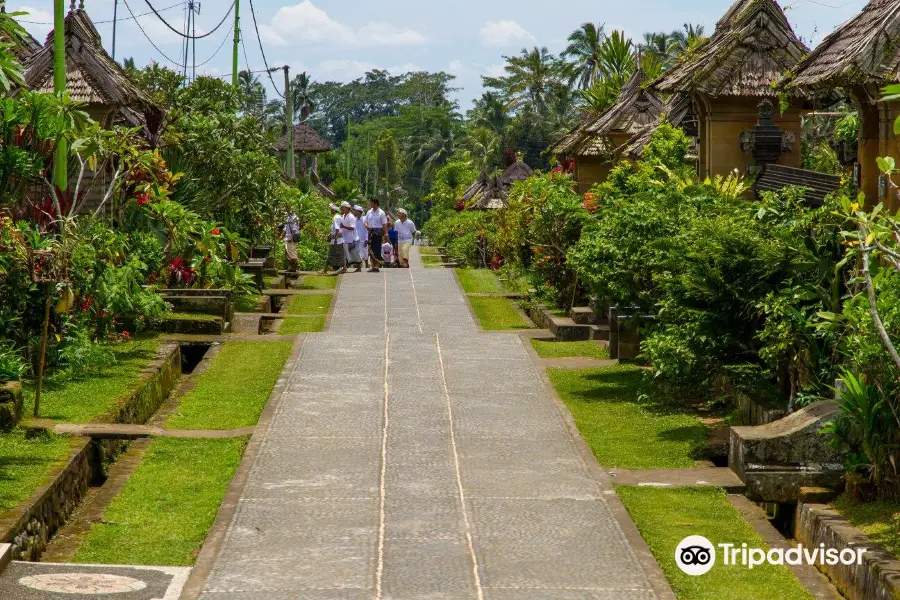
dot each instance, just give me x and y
(584, 48)
(490, 112)
(303, 100)
(253, 91)
(658, 45)
(529, 78)
(686, 39)
(617, 56)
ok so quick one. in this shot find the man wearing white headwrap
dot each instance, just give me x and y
(351, 242)
(362, 234)
(337, 259)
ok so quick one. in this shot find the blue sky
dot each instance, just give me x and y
(341, 39)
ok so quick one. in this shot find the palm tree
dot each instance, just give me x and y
(253, 91)
(303, 101)
(617, 57)
(658, 45)
(686, 39)
(490, 112)
(529, 78)
(483, 145)
(585, 47)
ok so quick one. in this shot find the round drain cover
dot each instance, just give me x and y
(83, 583)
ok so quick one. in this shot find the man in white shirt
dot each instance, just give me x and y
(377, 225)
(406, 230)
(337, 259)
(350, 242)
(362, 234)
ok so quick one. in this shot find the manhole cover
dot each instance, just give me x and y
(83, 583)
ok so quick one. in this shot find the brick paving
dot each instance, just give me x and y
(412, 456)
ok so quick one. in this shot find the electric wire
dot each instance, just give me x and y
(263, 52)
(149, 39)
(107, 20)
(190, 37)
(219, 49)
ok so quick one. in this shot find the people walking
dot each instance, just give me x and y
(291, 235)
(350, 240)
(377, 225)
(337, 258)
(362, 235)
(406, 231)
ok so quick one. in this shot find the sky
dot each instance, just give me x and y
(339, 40)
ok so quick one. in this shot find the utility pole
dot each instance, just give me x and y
(289, 122)
(115, 17)
(61, 163)
(237, 41)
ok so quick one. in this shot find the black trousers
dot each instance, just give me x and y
(375, 247)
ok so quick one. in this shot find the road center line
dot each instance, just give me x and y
(459, 484)
(379, 565)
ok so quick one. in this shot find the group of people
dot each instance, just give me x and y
(359, 238)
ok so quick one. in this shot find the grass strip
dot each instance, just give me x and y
(273, 281)
(431, 261)
(166, 508)
(665, 516)
(427, 250)
(25, 464)
(81, 400)
(625, 426)
(478, 281)
(878, 520)
(570, 349)
(185, 316)
(247, 303)
(496, 313)
(318, 282)
(233, 391)
(307, 324)
(313, 304)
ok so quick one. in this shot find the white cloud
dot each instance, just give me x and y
(39, 16)
(456, 67)
(499, 34)
(270, 36)
(305, 23)
(404, 68)
(346, 70)
(385, 34)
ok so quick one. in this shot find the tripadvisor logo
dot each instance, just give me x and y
(696, 555)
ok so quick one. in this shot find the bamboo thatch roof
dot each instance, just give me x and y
(678, 111)
(634, 109)
(492, 191)
(306, 139)
(865, 49)
(92, 76)
(752, 47)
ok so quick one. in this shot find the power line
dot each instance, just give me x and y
(263, 52)
(219, 49)
(133, 17)
(149, 39)
(190, 37)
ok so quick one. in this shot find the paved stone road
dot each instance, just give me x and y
(413, 457)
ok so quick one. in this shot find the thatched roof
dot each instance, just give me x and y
(492, 191)
(678, 111)
(864, 50)
(306, 139)
(634, 109)
(92, 76)
(752, 47)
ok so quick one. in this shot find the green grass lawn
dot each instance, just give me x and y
(273, 281)
(424, 250)
(82, 400)
(431, 261)
(308, 305)
(879, 520)
(665, 516)
(190, 316)
(624, 426)
(497, 313)
(233, 391)
(26, 463)
(308, 324)
(164, 512)
(570, 349)
(478, 281)
(318, 282)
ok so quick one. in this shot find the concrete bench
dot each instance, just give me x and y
(257, 268)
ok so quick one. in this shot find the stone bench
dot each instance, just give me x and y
(777, 459)
(217, 302)
(257, 268)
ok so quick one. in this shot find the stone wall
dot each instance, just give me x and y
(10, 404)
(754, 412)
(877, 578)
(31, 525)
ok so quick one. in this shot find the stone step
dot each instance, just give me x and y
(583, 315)
(722, 477)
